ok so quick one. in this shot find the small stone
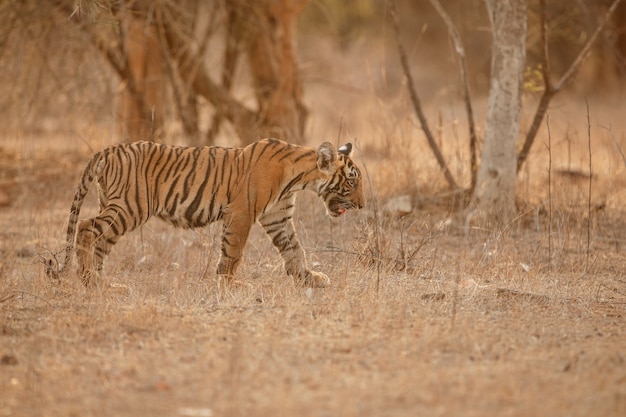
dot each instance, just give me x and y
(26, 252)
(4, 199)
(8, 360)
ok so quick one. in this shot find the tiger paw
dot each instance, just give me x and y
(93, 278)
(316, 280)
(228, 283)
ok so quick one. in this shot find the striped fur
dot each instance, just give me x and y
(192, 187)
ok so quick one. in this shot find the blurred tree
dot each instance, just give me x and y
(266, 28)
(493, 192)
(495, 187)
(141, 109)
(154, 45)
(619, 21)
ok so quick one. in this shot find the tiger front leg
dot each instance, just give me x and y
(296, 265)
(279, 227)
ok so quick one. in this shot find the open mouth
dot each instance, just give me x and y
(337, 207)
(337, 210)
(333, 213)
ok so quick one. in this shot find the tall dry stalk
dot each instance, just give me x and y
(619, 148)
(589, 194)
(339, 134)
(549, 191)
(374, 203)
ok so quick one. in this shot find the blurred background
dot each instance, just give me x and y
(88, 73)
(187, 71)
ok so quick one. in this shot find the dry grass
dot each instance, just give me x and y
(432, 320)
(423, 317)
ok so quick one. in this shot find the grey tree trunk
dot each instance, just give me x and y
(494, 195)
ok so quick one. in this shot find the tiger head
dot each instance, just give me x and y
(343, 190)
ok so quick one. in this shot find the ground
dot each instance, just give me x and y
(426, 314)
(430, 312)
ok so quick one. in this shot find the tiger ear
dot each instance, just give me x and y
(326, 157)
(346, 150)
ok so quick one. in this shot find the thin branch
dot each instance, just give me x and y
(549, 191)
(589, 194)
(618, 58)
(460, 50)
(548, 91)
(583, 52)
(619, 148)
(552, 89)
(234, 38)
(182, 94)
(191, 69)
(116, 53)
(415, 99)
(545, 52)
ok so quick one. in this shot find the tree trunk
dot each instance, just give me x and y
(141, 109)
(494, 195)
(270, 45)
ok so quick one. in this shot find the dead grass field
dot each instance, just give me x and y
(424, 316)
(427, 315)
(450, 322)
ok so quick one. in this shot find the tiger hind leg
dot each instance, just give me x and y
(94, 241)
(86, 239)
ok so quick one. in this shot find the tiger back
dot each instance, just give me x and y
(191, 187)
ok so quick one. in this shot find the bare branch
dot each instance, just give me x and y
(548, 91)
(590, 182)
(583, 52)
(234, 34)
(184, 98)
(460, 50)
(551, 90)
(619, 148)
(415, 99)
(114, 56)
(191, 69)
(545, 53)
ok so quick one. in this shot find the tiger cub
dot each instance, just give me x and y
(193, 186)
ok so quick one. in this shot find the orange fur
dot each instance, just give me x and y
(192, 187)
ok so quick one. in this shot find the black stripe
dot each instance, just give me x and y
(189, 170)
(197, 200)
(289, 185)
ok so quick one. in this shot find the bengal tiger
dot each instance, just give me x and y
(191, 187)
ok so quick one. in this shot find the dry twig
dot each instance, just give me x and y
(619, 148)
(550, 89)
(549, 191)
(416, 101)
(460, 50)
(589, 194)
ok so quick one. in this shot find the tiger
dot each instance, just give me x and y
(190, 187)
